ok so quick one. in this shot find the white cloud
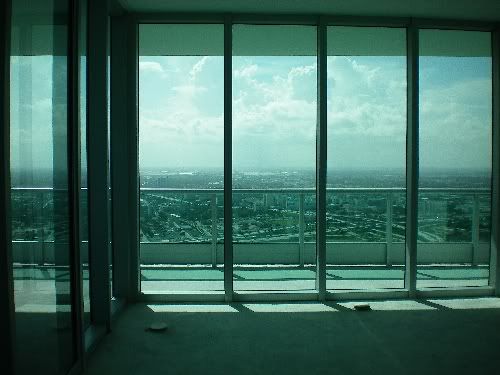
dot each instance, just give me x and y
(366, 99)
(189, 89)
(246, 71)
(274, 108)
(455, 124)
(152, 67)
(274, 114)
(198, 67)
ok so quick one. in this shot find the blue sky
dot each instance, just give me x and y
(274, 112)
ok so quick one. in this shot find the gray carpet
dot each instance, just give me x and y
(396, 337)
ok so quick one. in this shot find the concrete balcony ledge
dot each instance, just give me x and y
(338, 253)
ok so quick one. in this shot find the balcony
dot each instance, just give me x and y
(365, 244)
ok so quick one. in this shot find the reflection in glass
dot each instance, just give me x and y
(181, 157)
(455, 158)
(84, 218)
(40, 215)
(366, 201)
(274, 145)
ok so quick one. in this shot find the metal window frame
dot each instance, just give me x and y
(97, 159)
(132, 62)
(228, 160)
(74, 183)
(412, 26)
(412, 118)
(495, 182)
(119, 152)
(95, 331)
(321, 159)
(6, 275)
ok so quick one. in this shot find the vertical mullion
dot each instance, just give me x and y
(119, 152)
(74, 175)
(495, 183)
(62, 172)
(411, 161)
(98, 192)
(133, 155)
(7, 293)
(321, 139)
(228, 162)
(133, 162)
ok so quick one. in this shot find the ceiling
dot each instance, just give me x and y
(487, 10)
(290, 40)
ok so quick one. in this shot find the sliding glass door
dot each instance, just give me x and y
(454, 206)
(366, 179)
(274, 126)
(274, 143)
(181, 157)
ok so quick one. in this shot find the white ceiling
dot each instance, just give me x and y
(488, 10)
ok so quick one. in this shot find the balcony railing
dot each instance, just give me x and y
(472, 250)
(391, 250)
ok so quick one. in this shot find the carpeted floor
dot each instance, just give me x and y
(396, 337)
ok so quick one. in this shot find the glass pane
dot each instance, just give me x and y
(181, 157)
(39, 168)
(274, 153)
(455, 158)
(366, 199)
(84, 217)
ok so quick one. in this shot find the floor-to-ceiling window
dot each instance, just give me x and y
(274, 157)
(274, 82)
(366, 201)
(181, 157)
(455, 91)
(40, 197)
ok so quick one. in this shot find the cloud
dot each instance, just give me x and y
(273, 106)
(366, 98)
(246, 71)
(152, 67)
(456, 124)
(274, 114)
(198, 67)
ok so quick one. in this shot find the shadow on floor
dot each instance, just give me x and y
(396, 337)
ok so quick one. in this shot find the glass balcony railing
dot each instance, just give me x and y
(171, 217)
(270, 217)
(275, 230)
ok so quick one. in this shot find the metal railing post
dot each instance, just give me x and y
(388, 231)
(41, 232)
(213, 205)
(475, 230)
(301, 229)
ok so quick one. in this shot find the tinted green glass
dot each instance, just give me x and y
(454, 158)
(274, 148)
(366, 199)
(40, 196)
(181, 157)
